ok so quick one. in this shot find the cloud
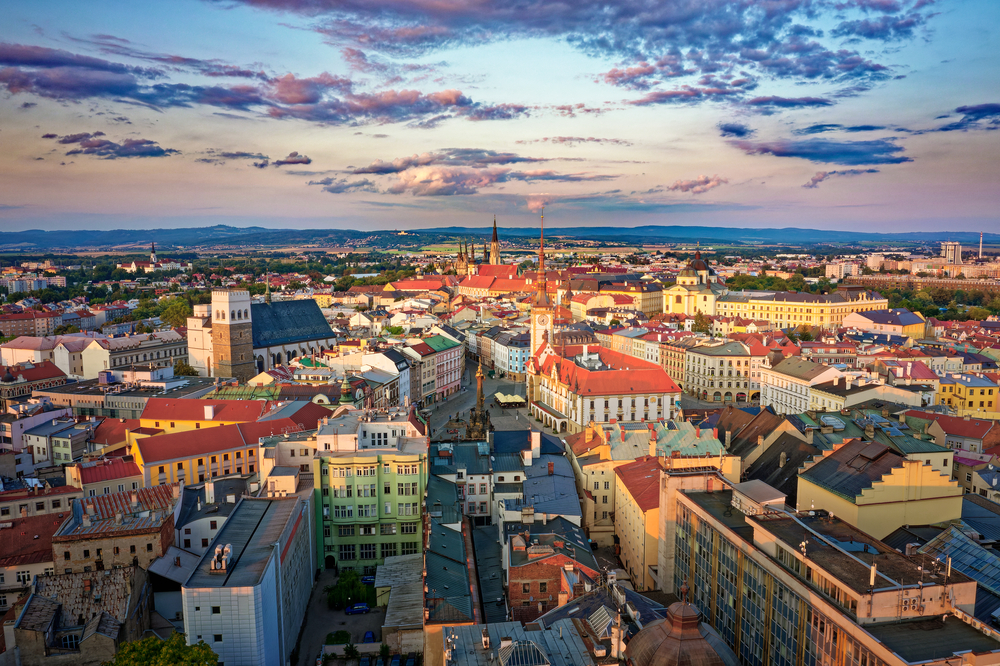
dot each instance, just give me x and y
(684, 94)
(833, 127)
(223, 156)
(739, 130)
(550, 175)
(574, 140)
(293, 158)
(699, 185)
(342, 185)
(876, 151)
(49, 136)
(977, 116)
(788, 102)
(652, 41)
(570, 110)
(495, 111)
(472, 157)
(92, 144)
(446, 181)
(823, 175)
(886, 28)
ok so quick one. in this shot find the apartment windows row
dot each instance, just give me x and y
(374, 551)
(370, 510)
(5, 511)
(384, 529)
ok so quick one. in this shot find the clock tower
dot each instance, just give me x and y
(542, 312)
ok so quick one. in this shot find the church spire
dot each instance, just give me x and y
(495, 245)
(542, 297)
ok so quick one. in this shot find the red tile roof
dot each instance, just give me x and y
(626, 374)
(149, 499)
(498, 270)
(186, 409)
(18, 542)
(194, 443)
(642, 478)
(957, 425)
(108, 469)
(38, 372)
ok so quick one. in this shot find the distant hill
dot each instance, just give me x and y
(222, 235)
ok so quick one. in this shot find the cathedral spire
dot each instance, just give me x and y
(495, 245)
(542, 297)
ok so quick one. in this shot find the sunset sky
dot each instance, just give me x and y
(875, 115)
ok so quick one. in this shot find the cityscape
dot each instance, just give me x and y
(406, 333)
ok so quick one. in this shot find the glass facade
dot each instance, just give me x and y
(760, 618)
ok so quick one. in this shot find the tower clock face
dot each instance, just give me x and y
(542, 320)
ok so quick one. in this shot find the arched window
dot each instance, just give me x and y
(246, 314)
(232, 315)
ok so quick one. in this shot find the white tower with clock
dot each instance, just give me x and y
(542, 311)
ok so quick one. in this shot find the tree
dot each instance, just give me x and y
(383, 651)
(153, 651)
(64, 329)
(977, 313)
(806, 335)
(182, 369)
(614, 322)
(702, 324)
(394, 330)
(176, 312)
(351, 651)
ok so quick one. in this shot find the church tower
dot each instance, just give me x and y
(152, 253)
(542, 311)
(232, 334)
(495, 245)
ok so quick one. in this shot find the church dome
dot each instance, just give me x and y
(680, 639)
(7, 377)
(697, 264)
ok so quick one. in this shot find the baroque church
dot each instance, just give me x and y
(697, 289)
(234, 337)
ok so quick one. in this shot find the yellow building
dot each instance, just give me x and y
(970, 395)
(637, 519)
(696, 290)
(877, 490)
(791, 308)
(646, 297)
(178, 415)
(897, 321)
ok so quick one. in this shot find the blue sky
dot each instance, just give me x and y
(382, 114)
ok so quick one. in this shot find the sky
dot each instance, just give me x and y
(867, 115)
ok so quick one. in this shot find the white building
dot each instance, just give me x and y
(248, 595)
(785, 385)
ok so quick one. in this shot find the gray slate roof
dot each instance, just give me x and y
(285, 322)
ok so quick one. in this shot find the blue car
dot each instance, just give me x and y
(365, 661)
(368, 580)
(357, 609)
(411, 659)
(369, 637)
(395, 660)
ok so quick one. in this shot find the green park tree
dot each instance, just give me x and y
(153, 651)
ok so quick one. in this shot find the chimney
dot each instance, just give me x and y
(134, 500)
(870, 432)
(902, 417)
(536, 443)
(729, 439)
(552, 468)
(209, 492)
(967, 417)
(86, 520)
(24, 512)
(118, 518)
(90, 509)
(760, 440)
(836, 381)
(810, 433)
(177, 491)
(784, 456)
(209, 412)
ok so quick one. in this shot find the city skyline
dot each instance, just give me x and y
(871, 115)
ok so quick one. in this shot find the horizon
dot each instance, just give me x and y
(846, 115)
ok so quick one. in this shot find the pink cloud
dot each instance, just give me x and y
(699, 185)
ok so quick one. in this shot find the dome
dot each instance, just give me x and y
(680, 639)
(697, 264)
(7, 377)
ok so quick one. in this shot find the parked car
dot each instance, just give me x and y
(411, 659)
(395, 660)
(369, 637)
(357, 609)
(365, 661)
(368, 580)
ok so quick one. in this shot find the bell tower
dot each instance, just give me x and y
(152, 253)
(495, 245)
(232, 334)
(542, 311)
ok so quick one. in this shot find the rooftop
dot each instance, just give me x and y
(923, 640)
(252, 530)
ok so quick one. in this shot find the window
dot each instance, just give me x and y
(204, 543)
(86, 553)
(131, 549)
(187, 543)
(543, 587)
(345, 530)
(526, 588)
(388, 509)
(216, 610)
(410, 548)
(388, 550)
(408, 528)
(39, 506)
(347, 551)
(149, 548)
(23, 577)
(368, 551)
(213, 525)
(217, 638)
(604, 499)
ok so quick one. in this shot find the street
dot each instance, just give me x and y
(463, 401)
